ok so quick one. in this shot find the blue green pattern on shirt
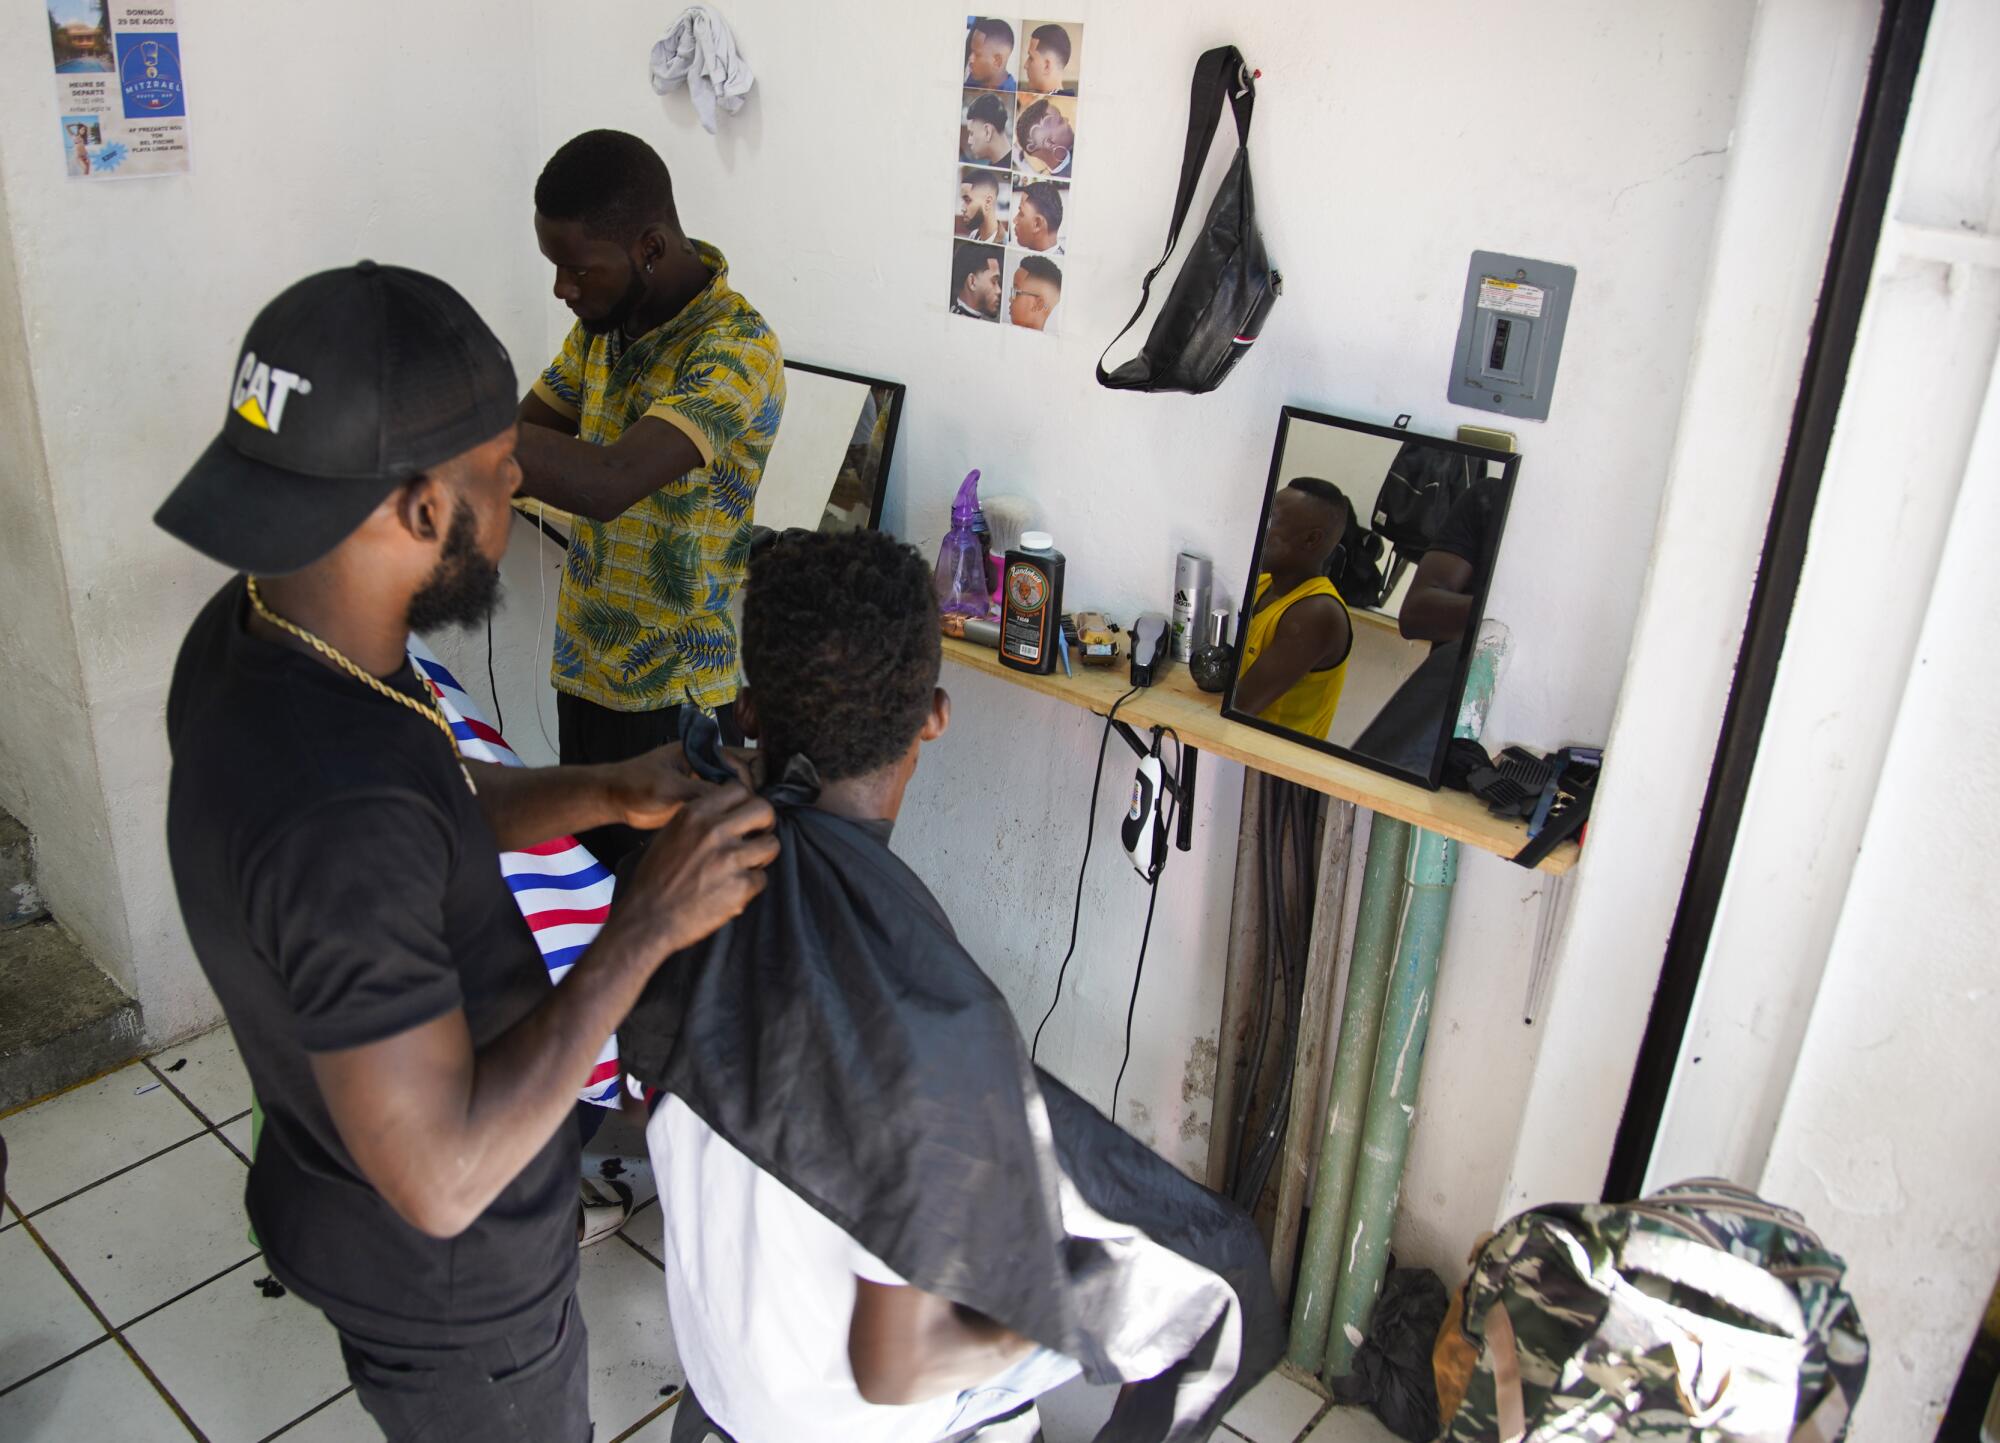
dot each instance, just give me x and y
(644, 616)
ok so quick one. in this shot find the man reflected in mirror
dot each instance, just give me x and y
(1299, 635)
(1438, 608)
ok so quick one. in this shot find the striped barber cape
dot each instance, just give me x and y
(562, 890)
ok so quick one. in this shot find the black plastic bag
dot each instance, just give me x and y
(1392, 1370)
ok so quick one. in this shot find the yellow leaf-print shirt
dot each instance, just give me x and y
(643, 621)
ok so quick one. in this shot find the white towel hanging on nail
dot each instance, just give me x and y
(700, 49)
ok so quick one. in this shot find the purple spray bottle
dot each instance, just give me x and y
(961, 565)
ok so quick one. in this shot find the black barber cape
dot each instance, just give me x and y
(841, 1038)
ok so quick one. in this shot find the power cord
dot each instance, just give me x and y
(1089, 831)
(1152, 901)
(541, 610)
(499, 717)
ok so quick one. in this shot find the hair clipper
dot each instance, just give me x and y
(1144, 830)
(1149, 647)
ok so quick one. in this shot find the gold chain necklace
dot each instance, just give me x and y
(374, 683)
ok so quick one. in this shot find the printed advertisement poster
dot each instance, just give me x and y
(120, 103)
(1017, 127)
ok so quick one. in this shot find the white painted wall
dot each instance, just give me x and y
(1842, 1055)
(134, 297)
(1807, 66)
(48, 769)
(1378, 172)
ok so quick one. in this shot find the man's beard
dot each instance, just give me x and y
(635, 293)
(464, 587)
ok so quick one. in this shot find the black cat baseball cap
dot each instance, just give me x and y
(349, 384)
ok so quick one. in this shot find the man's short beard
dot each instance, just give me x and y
(464, 587)
(628, 304)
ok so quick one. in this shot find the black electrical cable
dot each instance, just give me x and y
(1139, 969)
(1269, 831)
(1089, 828)
(499, 719)
(1298, 815)
(1272, 825)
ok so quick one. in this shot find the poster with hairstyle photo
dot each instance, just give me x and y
(1034, 292)
(1045, 136)
(1052, 57)
(986, 129)
(982, 205)
(990, 60)
(978, 280)
(1041, 215)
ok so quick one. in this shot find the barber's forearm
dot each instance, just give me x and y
(524, 1083)
(588, 480)
(528, 805)
(1432, 614)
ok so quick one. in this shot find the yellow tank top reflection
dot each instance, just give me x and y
(1310, 704)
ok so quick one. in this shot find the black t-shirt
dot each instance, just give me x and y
(1471, 529)
(340, 885)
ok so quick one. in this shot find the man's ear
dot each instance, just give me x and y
(423, 506)
(653, 246)
(746, 715)
(939, 721)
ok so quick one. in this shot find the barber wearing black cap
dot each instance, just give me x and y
(338, 863)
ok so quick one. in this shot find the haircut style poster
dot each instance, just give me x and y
(120, 101)
(1017, 143)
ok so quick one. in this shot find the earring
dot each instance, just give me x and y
(649, 268)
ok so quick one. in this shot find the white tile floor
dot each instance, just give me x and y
(133, 1315)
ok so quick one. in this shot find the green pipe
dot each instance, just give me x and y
(1399, 1055)
(1392, 1099)
(1353, 1060)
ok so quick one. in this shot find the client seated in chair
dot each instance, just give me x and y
(881, 1222)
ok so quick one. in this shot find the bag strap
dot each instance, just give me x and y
(1220, 72)
(1510, 1414)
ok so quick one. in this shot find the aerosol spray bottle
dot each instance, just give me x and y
(1192, 576)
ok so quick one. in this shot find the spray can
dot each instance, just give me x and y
(1031, 604)
(1192, 577)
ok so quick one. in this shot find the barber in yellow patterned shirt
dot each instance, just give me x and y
(651, 428)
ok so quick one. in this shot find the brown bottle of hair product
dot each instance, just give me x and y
(1031, 604)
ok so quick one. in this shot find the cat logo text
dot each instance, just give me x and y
(262, 390)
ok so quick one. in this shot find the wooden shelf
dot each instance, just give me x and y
(1197, 717)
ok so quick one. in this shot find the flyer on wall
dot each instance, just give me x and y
(1017, 115)
(122, 107)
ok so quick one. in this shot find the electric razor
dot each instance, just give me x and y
(1144, 831)
(1149, 646)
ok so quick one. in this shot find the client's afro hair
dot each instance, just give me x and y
(841, 647)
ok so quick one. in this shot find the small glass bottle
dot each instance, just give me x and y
(1211, 663)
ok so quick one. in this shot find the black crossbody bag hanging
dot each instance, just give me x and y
(1226, 286)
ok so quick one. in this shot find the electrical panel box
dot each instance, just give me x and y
(1510, 336)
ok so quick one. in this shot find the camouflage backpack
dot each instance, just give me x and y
(1701, 1312)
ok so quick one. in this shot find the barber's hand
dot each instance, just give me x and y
(650, 788)
(703, 868)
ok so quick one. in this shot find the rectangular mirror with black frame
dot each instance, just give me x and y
(829, 466)
(1367, 585)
